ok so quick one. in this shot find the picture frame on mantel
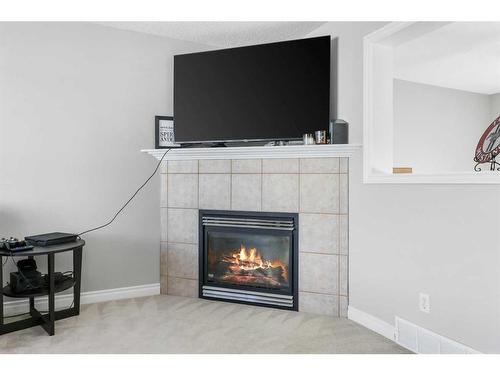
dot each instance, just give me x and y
(164, 132)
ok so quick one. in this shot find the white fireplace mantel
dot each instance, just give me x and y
(258, 152)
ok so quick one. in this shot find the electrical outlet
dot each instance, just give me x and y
(424, 303)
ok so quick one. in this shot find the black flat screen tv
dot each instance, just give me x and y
(276, 91)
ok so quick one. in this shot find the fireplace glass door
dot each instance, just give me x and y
(260, 259)
(249, 257)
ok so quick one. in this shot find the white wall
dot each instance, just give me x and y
(437, 128)
(494, 106)
(439, 239)
(77, 103)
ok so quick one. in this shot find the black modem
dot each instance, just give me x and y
(49, 239)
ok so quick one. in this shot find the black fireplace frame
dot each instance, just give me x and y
(293, 266)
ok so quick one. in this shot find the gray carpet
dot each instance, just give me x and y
(169, 324)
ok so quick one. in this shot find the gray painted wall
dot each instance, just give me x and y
(437, 128)
(439, 239)
(494, 106)
(77, 104)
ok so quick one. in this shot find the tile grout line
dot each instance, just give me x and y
(183, 278)
(299, 179)
(261, 184)
(166, 271)
(165, 287)
(321, 293)
(198, 172)
(347, 235)
(339, 266)
(298, 189)
(182, 243)
(318, 253)
(314, 173)
(230, 184)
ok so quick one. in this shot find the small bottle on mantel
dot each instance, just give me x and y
(402, 170)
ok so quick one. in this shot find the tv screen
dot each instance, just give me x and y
(271, 91)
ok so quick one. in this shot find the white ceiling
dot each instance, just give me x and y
(222, 34)
(459, 55)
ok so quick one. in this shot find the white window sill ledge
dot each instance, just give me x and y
(484, 177)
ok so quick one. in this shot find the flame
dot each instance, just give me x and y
(249, 260)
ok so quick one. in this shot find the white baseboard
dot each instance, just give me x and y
(371, 322)
(64, 300)
(412, 337)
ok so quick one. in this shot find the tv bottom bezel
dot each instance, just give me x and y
(237, 141)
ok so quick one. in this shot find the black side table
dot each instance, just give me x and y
(47, 321)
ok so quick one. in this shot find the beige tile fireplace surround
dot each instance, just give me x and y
(316, 188)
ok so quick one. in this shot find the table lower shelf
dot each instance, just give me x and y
(59, 287)
(38, 319)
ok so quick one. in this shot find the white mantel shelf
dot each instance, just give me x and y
(257, 152)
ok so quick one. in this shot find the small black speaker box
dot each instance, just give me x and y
(339, 132)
